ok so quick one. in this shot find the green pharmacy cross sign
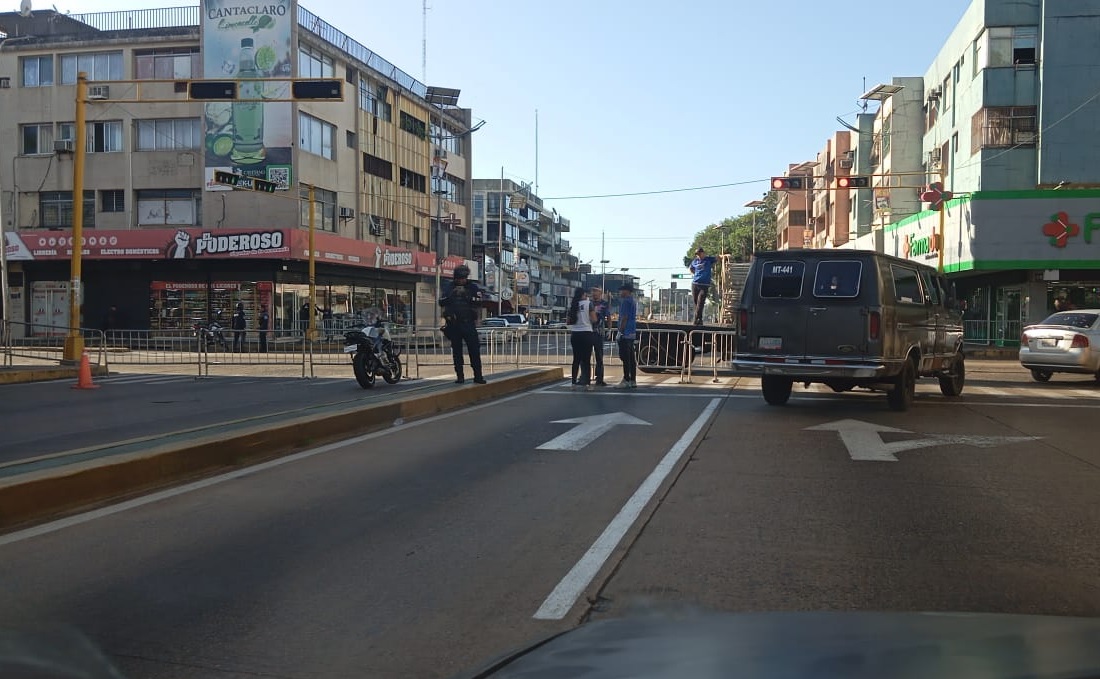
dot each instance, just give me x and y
(238, 181)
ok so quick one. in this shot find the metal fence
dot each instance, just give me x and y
(712, 352)
(39, 343)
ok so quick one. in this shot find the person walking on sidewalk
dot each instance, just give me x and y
(628, 334)
(602, 313)
(701, 268)
(460, 306)
(239, 321)
(579, 320)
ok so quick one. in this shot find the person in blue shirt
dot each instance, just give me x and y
(628, 335)
(701, 269)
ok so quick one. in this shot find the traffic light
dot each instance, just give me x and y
(227, 178)
(212, 90)
(264, 186)
(317, 89)
(853, 182)
(788, 183)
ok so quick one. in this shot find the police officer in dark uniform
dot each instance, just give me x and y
(460, 306)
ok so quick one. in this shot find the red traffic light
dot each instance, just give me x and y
(853, 182)
(787, 183)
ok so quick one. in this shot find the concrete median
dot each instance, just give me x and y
(150, 464)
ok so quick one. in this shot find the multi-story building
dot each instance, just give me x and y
(389, 168)
(793, 228)
(536, 271)
(831, 208)
(896, 160)
(1009, 128)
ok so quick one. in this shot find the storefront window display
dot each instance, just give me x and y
(350, 305)
(180, 305)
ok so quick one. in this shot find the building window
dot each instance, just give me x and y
(452, 189)
(168, 134)
(372, 99)
(414, 181)
(314, 64)
(98, 66)
(796, 218)
(413, 125)
(315, 135)
(1003, 126)
(373, 165)
(168, 63)
(113, 200)
(178, 207)
(479, 206)
(353, 142)
(1010, 46)
(324, 208)
(56, 209)
(37, 139)
(66, 131)
(978, 62)
(447, 139)
(105, 137)
(37, 71)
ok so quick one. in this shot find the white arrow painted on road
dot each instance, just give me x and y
(588, 429)
(864, 440)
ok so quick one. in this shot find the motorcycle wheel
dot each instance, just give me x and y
(364, 374)
(393, 376)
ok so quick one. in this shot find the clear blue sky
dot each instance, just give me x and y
(636, 96)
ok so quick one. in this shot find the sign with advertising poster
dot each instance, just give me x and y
(249, 41)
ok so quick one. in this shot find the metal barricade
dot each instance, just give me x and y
(661, 350)
(710, 350)
(31, 344)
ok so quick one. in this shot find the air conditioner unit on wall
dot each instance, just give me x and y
(346, 213)
(63, 146)
(934, 155)
(846, 163)
(99, 92)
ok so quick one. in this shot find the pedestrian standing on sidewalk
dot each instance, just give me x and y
(461, 307)
(264, 325)
(239, 322)
(701, 271)
(579, 321)
(628, 334)
(602, 311)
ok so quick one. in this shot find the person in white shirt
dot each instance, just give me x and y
(580, 320)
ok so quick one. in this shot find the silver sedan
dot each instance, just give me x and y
(1066, 342)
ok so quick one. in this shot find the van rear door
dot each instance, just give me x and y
(836, 326)
(778, 318)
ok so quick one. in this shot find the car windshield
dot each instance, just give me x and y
(493, 322)
(1073, 319)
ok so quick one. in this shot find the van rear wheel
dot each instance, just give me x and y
(777, 390)
(905, 388)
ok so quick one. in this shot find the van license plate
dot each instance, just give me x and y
(771, 343)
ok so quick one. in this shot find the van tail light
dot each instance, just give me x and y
(743, 323)
(1080, 342)
(1023, 339)
(874, 325)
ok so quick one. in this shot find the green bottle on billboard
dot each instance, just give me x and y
(248, 116)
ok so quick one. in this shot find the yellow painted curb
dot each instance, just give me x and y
(36, 496)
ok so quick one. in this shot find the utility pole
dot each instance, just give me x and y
(74, 341)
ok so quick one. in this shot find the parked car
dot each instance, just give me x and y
(847, 319)
(496, 329)
(1066, 342)
(517, 322)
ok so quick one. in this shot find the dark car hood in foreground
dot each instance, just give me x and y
(800, 645)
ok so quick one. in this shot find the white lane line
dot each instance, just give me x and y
(563, 597)
(1052, 394)
(78, 519)
(634, 392)
(1086, 393)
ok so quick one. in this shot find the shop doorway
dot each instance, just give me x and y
(1008, 317)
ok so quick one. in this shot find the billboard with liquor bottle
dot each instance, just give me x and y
(249, 40)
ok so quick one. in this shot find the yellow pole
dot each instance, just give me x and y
(312, 268)
(74, 342)
(943, 218)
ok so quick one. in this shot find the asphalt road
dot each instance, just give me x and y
(433, 547)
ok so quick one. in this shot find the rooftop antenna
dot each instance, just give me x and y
(424, 46)
(863, 102)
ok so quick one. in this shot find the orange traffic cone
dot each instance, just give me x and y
(85, 379)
